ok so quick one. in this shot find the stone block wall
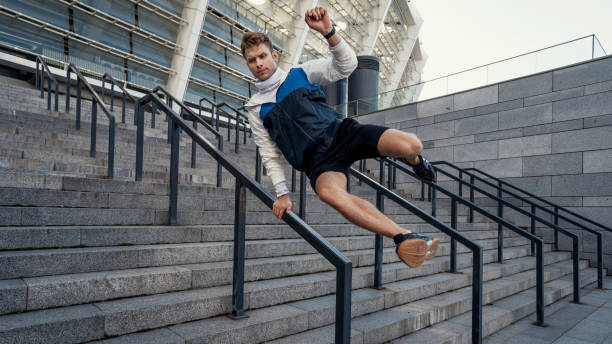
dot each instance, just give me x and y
(550, 133)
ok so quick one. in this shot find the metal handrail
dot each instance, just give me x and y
(477, 251)
(538, 242)
(236, 118)
(193, 117)
(94, 115)
(542, 200)
(124, 93)
(40, 82)
(534, 206)
(501, 203)
(244, 182)
(212, 110)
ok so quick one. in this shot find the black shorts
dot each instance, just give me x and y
(353, 142)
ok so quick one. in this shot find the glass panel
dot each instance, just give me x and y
(225, 8)
(155, 24)
(146, 77)
(234, 84)
(173, 6)
(217, 27)
(563, 55)
(101, 31)
(466, 80)
(238, 63)
(18, 34)
(211, 50)
(237, 37)
(152, 51)
(46, 11)
(598, 49)
(196, 92)
(95, 60)
(205, 72)
(120, 9)
(235, 102)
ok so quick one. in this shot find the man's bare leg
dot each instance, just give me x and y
(331, 188)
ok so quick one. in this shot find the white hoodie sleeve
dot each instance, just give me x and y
(339, 66)
(270, 154)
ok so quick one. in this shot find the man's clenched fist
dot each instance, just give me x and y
(318, 20)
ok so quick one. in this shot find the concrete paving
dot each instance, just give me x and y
(589, 322)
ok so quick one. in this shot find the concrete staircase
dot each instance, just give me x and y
(84, 258)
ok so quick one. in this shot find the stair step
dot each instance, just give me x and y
(62, 290)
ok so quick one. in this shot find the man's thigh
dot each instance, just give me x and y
(331, 182)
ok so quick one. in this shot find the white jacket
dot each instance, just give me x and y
(319, 72)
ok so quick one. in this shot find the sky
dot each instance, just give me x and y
(459, 35)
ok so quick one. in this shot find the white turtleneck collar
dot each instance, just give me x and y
(272, 82)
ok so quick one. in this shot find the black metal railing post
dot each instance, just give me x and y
(460, 181)
(257, 165)
(378, 239)
(68, 82)
(348, 183)
(193, 146)
(361, 169)
(111, 148)
(112, 96)
(433, 201)
(293, 178)
(123, 108)
(471, 215)
(239, 251)
(49, 93)
(343, 313)
(303, 195)
(237, 134)
(56, 97)
(94, 122)
(540, 283)
(37, 72)
(139, 141)
(533, 227)
(453, 243)
(219, 169)
(477, 279)
(500, 229)
(174, 170)
(576, 273)
(600, 261)
(555, 233)
(78, 105)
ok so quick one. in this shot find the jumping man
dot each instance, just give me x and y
(290, 114)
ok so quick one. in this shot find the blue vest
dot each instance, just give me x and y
(300, 122)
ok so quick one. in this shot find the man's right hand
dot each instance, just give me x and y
(281, 205)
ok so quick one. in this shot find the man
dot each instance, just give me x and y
(290, 114)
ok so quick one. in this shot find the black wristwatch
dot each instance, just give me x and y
(331, 33)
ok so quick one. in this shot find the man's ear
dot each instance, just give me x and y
(275, 56)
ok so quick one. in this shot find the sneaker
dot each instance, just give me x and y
(413, 249)
(424, 169)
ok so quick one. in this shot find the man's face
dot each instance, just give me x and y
(261, 61)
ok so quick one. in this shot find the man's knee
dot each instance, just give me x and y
(331, 195)
(415, 144)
